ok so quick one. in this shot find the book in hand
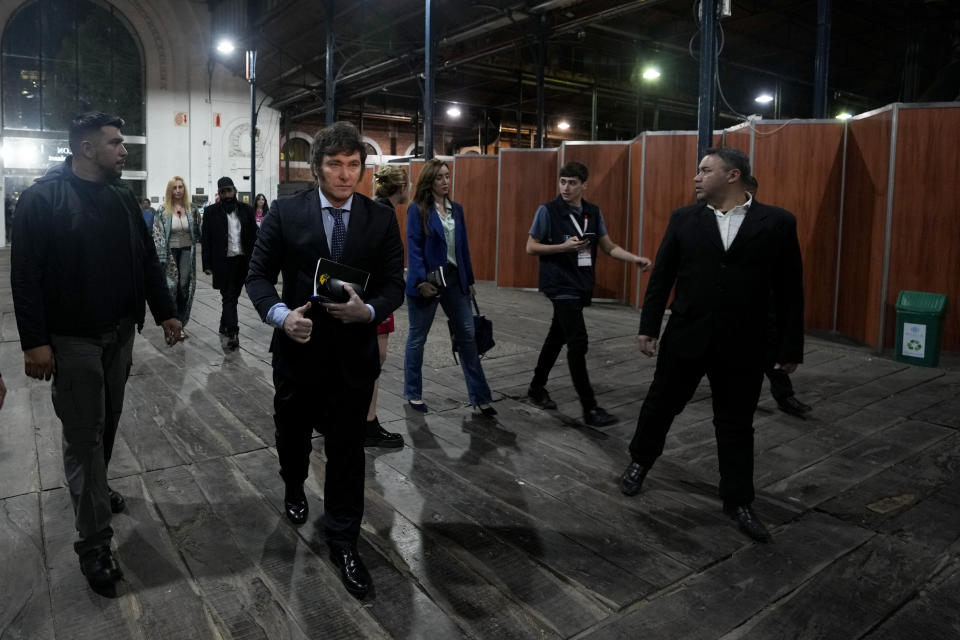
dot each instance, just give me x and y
(330, 277)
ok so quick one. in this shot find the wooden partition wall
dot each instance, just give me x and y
(632, 241)
(863, 233)
(608, 187)
(809, 185)
(527, 179)
(925, 230)
(476, 180)
(668, 164)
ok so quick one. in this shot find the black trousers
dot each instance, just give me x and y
(780, 386)
(566, 328)
(341, 413)
(736, 389)
(235, 274)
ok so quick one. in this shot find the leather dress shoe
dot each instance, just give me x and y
(353, 573)
(540, 398)
(295, 507)
(632, 479)
(749, 522)
(793, 406)
(117, 503)
(100, 567)
(598, 417)
(377, 436)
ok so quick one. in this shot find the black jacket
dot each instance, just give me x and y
(724, 300)
(560, 275)
(291, 240)
(54, 251)
(213, 237)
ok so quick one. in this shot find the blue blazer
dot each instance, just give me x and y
(426, 253)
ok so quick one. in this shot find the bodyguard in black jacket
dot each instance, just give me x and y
(62, 265)
(82, 265)
(725, 259)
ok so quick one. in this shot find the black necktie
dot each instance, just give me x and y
(339, 234)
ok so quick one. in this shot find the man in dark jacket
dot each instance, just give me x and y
(77, 305)
(733, 263)
(325, 355)
(566, 234)
(229, 231)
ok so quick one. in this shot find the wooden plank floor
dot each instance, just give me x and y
(506, 528)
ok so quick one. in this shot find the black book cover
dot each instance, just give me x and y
(330, 277)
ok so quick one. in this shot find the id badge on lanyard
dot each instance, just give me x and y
(584, 259)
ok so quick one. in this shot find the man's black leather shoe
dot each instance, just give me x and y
(100, 567)
(749, 522)
(377, 436)
(353, 573)
(540, 398)
(598, 417)
(117, 503)
(793, 406)
(632, 479)
(295, 506)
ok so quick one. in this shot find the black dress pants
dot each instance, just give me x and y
(235, 274)
(566, 328)
(735, 386)
(780, 386)
(341, 412)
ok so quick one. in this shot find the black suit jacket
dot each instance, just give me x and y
(213, 237)
(724, 300)
(291, 240)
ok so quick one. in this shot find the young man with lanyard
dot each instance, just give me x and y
(566, 233)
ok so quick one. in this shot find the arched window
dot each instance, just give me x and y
(63, 57)
(296, 150)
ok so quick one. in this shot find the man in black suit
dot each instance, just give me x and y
(736, 266)
(325, 355)
(229, 231)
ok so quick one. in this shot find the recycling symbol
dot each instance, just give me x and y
(914, 345)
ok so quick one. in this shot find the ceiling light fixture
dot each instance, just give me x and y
(563, 125)
(843, 115)
(453, 112)
(225, 46)
(651, 73)
(764, 98)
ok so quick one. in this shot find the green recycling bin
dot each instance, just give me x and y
(919, 325)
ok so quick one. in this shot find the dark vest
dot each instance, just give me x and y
(559, 273)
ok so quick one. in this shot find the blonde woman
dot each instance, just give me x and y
(392, 189)
(176, 232)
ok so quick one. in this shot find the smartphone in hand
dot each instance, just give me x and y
(589, 236)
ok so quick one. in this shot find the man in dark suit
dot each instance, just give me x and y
(229, 231)
(325, 355)
(736, 266)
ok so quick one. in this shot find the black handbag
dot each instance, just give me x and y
(482, 332)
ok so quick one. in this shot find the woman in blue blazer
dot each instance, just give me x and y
(437, 244)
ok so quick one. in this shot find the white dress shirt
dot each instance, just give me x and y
(729, 222)
(233, 235)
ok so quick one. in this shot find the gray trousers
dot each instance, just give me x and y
(88, 391)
